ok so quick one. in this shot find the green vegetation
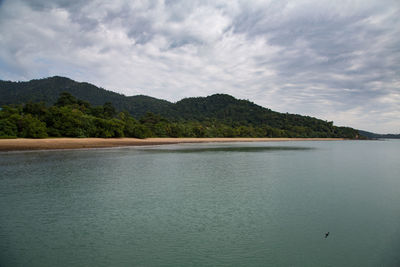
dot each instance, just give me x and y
(59, 106)
(68, 117)
(215, 116)
(49, 89)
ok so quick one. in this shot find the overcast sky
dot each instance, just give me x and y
(335, 60)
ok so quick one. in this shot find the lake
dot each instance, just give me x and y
(217, 204)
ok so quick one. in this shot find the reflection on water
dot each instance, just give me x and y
(228, 149)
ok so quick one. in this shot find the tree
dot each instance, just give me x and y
(109, 110)
(32, 127)
(66, 99)
(66, 121)
(8, 129)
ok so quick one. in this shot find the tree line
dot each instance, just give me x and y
(72, 117)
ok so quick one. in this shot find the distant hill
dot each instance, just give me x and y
(218, 108)
(379, 136)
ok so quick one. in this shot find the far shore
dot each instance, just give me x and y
(21, 144)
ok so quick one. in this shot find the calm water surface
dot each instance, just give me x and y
(241, 204)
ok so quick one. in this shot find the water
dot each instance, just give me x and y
(241, 204)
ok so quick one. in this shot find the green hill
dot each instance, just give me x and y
(49, 89)
(243, 117)
(379, 136)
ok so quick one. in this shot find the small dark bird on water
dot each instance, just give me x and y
(326, 234)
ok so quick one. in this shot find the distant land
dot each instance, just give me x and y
(379, 136)
(218, 115)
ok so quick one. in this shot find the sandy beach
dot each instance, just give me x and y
(79, 143)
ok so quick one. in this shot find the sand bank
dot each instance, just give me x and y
(76, 143)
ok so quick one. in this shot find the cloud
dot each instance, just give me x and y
(336, 60)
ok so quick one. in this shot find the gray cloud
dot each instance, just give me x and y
(336, 60)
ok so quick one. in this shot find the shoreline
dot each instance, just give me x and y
(23, 144)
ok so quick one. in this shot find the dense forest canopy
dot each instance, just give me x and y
(49, 89)
(31, 109)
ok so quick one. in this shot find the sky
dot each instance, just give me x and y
(334, 60)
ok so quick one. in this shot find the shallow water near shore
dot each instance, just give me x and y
(234, 204)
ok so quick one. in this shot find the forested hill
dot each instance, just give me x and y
(232, 116)
(379, 136)
(49, 89)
